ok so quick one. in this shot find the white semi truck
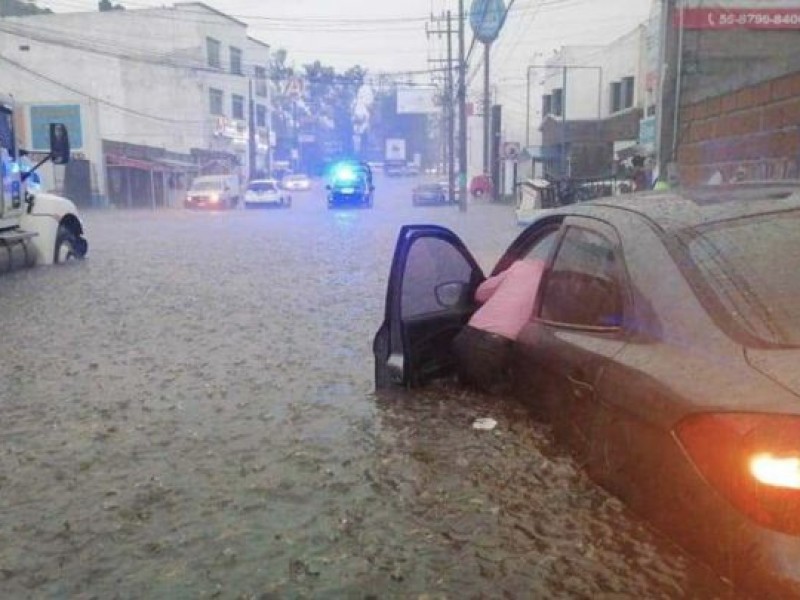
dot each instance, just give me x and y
(35, 228)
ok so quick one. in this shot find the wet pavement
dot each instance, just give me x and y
(190, 413)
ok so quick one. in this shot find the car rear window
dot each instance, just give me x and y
(262, 186)
(750, 267)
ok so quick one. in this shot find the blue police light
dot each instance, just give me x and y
(344, 173)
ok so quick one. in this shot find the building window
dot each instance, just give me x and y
(547, 105)
(237, 107)
(215, 102)
(622, 94)
(261, 82)
(616, 96)
(627, 92)
(236, 61)
(213, 53)
(557, 104)
(261, 115)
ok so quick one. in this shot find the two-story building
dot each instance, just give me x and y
(151, 98)
(593, 99)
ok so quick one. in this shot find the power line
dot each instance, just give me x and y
(108, 103)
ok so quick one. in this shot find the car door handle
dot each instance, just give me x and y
(580, 389)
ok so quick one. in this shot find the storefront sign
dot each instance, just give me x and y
(44, 114)
(722, 18)
(647, 132)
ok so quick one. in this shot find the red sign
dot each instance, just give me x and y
(739, 18)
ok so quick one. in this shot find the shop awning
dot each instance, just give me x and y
(163, 164)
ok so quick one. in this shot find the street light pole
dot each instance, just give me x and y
(528, 107)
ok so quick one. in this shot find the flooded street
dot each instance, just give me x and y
(190, 413)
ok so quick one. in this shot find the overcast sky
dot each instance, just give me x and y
(389, 35)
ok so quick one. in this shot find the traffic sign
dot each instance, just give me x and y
(487, 18)
(511, 150)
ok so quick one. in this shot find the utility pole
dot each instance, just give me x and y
(251, 132)
(487, 111)
(451, 157)
(462, 111)
(448, 110)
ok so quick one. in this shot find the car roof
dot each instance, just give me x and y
(273, 181)
(689, 208)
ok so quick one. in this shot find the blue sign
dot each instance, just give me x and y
(44, 114)
(487, 18)
(647, 132)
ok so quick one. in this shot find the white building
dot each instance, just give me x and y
(592, 101)
(150, 97)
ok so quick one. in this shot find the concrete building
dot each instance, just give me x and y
(592, 101)
(151, 97)
(732, 91)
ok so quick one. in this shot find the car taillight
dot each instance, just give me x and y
(753, 460)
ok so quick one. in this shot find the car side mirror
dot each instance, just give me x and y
(450, 294)
(328, 187)
(372, 188)
(59, 144)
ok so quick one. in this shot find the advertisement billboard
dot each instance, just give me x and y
(416, 100)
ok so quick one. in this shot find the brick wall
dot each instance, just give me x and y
(754, 131)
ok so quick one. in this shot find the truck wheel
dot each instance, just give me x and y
(66, 246)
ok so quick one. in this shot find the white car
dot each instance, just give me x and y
(266, 192)
(297, 182)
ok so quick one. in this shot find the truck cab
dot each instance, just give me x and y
(35, 228)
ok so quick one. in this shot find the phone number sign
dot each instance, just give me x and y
(739, 18)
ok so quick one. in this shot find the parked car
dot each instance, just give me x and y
(481, 185)
(429, 193)
(297, 182)
(664, 349)
(213, 191)
(266, 192)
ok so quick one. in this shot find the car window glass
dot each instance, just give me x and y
(262, 187)
(543, 246)
(750, 265)
(582, 287)
(431, 262)
(207, 185)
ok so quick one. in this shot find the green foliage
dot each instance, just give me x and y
(106, 5)
(17, 8)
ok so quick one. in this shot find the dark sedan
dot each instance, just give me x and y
(429, 193)
(664, 348)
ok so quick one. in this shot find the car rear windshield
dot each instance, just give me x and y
(749, 267)
(262, 186)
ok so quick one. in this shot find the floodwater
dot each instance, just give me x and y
(190, 413)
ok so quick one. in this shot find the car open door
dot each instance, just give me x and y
(429, 298)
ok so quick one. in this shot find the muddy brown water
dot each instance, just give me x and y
(190, 414)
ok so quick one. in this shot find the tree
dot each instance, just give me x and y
(324, 111)
(16, 8)
(105, 6)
